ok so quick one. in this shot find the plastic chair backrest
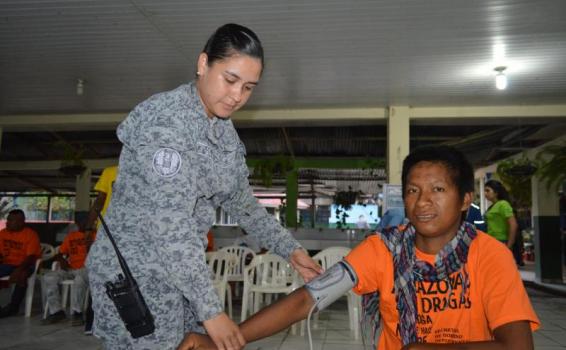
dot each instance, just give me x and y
(242, 254)
(220, 264)
(269, 270)
(209, 255)
(330, 256)
(47, 251)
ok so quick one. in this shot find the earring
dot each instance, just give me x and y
(198, 74)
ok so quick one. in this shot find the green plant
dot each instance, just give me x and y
(552, 165)
(72, 163)
(516, 175)
(268, 168)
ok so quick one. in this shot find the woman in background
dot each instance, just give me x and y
(501, 222)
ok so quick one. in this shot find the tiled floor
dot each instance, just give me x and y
(19, 333)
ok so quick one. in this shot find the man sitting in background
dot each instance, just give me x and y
(71, 257)
(19, 250)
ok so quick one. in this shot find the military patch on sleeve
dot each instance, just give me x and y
(166, 162)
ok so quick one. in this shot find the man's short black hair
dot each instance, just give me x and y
(457, 164)
(17, 212)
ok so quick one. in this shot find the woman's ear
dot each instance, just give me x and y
(202, 64)
(467, 200)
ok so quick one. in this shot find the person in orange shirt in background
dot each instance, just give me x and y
(210, 238)
(71, 257)
(437, 283)
(19, 250)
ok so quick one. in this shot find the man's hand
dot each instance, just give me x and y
(305, 265)
(195, 341)
(224, 333)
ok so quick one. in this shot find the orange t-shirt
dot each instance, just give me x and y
(496, 296)
(15, 247)
(210, 238)
(75, 247)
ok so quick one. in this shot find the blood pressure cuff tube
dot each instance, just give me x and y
(332, 284)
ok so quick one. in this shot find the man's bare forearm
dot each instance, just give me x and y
(278, 316)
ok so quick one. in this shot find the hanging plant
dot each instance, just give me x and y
(267, 169)
(516, 175)
(552, 160)
(72, 163)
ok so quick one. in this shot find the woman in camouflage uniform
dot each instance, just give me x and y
(181, 160)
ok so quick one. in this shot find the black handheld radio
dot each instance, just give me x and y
(127, 297)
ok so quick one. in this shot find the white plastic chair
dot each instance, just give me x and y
(243, 255)
(220, 264)
(30, 288)
(327, 258)
(65, 292)
(267, 274)
(47, 251)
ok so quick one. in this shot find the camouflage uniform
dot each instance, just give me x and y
(176, 167)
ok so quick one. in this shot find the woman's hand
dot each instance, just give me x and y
(196, 341)
(224, 333)
(305, 265)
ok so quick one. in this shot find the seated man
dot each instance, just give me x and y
(19, 250)
(436, 283)
(71, 257)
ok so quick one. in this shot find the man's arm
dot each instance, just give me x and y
(20, 273)
(94, 210)
(514, 335)
(62, 261)
(277, 316)
(513, 227)
(268, 321)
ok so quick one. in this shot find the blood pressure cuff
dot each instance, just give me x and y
(332, 284)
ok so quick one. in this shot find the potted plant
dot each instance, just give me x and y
(72, 163)
(552, 165)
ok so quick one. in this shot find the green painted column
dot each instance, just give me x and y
(547, 238)
(292, 194)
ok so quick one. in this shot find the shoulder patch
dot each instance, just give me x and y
(166, 162)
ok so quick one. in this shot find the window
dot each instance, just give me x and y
(62, 209)
(224, 219)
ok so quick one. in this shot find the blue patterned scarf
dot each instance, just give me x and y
(401, 244)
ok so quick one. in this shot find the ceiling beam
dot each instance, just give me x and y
(94, 164)
(28, 181)
(283, 117)
(301, 162)
(479, 112)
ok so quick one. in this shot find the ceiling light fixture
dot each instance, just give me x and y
(500, 78)
(80, 87)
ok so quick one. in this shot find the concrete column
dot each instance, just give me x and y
(547, 238)
(292, 194)
(82, 197)
(483, 203)
(398, 145)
